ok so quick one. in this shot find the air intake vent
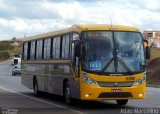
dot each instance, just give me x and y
(115, 95)
(115, 84)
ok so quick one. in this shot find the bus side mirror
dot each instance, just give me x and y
(77, 50)
(148, 52)
(147, 49)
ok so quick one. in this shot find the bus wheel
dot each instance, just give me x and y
(67, 94)
(35, 87)
(122, 102)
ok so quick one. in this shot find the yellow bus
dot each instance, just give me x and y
(87, 62)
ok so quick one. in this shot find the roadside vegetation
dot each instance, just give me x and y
(7, 49)
(153, 68)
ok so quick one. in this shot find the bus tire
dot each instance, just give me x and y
(35, 88)
(67, 93)
(122, 102)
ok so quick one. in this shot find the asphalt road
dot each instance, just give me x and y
(17, 99)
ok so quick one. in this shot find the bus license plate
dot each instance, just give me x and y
(116, 90)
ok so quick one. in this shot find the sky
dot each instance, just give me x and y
(22, 18)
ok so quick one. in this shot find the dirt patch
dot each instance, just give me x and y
(153, 73)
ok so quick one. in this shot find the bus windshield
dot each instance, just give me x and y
(113, 52)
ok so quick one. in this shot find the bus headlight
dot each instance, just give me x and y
(88, 80)
(141, 80)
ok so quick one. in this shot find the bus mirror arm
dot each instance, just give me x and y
(148, 52)
(77, 50)
(76, 58)
(75, 64)
(147, 48)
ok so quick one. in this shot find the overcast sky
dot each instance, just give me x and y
(19, 18)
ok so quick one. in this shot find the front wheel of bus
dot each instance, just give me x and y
(67, 94)
(35, 87)
(122, 102)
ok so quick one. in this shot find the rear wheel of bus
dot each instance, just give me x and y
(35, 87)
(122, 102)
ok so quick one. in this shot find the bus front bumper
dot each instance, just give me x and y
(89, 92)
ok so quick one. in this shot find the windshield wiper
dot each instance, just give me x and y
(107, 65)
(124, 65)
(121, 62)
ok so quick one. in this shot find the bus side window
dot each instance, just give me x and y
(45, 49)
(25, 45)
(56, 43)
(57, 54)
(39, 49)
(32, 52)
(47, 43)
(65, 46)
(53, 48)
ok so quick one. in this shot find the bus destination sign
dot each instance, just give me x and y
(98, 35)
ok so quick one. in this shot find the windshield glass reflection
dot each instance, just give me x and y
(103, 53)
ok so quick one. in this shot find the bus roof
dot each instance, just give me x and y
(79, 28)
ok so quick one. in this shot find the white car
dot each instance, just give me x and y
(16, 69)
(16, 60)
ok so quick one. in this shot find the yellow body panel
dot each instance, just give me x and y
(113, 78)
(107, 27)
(95, 91)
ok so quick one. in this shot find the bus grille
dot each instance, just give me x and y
(115, 95)
(115, 84)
